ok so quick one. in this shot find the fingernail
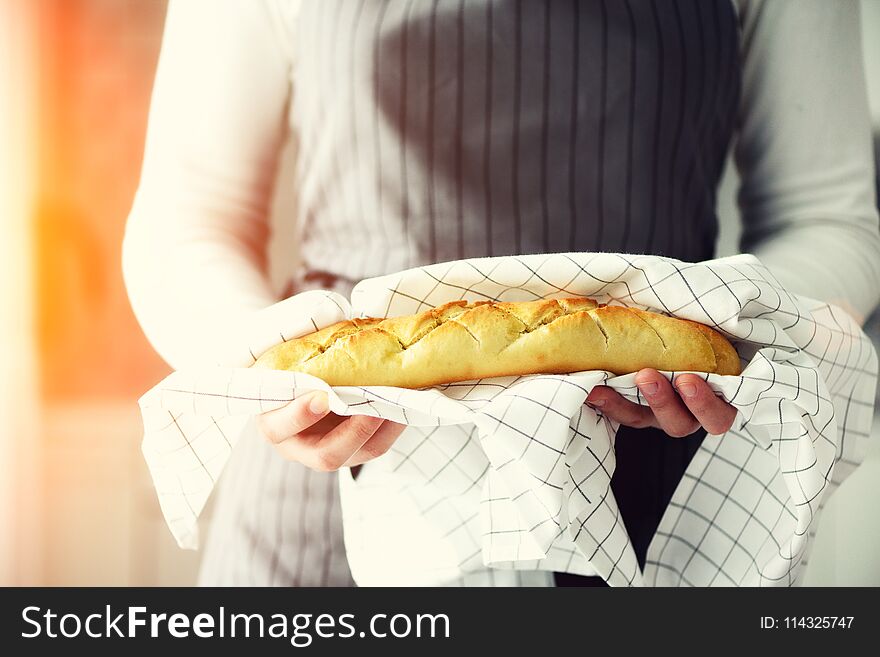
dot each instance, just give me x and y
(318, 404)
(686, 389)
(649, 388)
(598, 403)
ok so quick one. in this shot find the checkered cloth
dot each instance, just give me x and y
(747, 507)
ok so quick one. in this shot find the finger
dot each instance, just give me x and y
(378, 444)
(669, 410)
(616, 408)
(321, 428)
(329, 451)
(293, 418)
(715, 414)
(333, 450)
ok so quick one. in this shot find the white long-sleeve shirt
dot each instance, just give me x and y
(195, 246)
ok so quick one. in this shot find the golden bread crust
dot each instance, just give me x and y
(461, 341)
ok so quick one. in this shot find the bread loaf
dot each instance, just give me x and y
(460, 341)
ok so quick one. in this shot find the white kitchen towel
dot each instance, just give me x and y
(748, 504)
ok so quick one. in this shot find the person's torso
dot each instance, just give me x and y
(434, 131)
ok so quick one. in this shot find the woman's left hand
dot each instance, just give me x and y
(678, 410)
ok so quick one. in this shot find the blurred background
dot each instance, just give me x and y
(76, 503)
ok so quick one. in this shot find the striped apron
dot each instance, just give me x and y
(433, 130)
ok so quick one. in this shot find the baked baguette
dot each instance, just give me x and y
(460, 341)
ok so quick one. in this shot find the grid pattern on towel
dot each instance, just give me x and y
(515, 472)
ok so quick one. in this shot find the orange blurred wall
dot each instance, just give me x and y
(95, 70)
(86, 512)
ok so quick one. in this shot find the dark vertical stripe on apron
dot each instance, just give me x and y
(377, 141)
(303, 530)
(573, 128)
(731, 107)
(600, 137)
(629, 135)
(670, 229)
(404, 129)
(432, 218)
(658, 116)
(335, 184)
(308, 139)
(487, 132)
(517, 54)
(280, 543)
(329, 542)
(322, 225)
(684, 223)
(244, 571)
(230, 556)
(732, 86)
(256, 520)
(459, 131)
(545, 127)
(310, 222)
(704, 198)
(718, 109)
(355, 184)
(707, 237)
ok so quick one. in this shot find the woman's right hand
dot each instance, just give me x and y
(307, 432)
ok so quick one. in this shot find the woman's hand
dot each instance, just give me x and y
(305, 431)
(678, 411)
